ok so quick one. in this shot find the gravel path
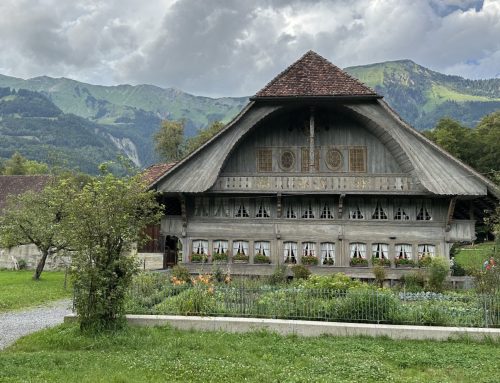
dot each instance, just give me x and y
(14, 325)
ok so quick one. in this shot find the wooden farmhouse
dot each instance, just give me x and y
(317, 169)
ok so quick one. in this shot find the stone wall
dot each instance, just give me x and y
(9, 258)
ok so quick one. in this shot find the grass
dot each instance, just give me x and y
(19, 291)
(472, 257)
(162, 354)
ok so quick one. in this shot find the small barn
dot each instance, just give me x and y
(317, 169)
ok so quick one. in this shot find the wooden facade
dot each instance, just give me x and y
(321, 172)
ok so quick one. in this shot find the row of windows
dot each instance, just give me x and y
(326, 251)
(419, 210)
(286, 159)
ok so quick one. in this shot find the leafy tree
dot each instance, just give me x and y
(105, 219)
(37, 218)
(203, 136)
(171, 144)
(18, 165)
(169, 140)
(488, 148)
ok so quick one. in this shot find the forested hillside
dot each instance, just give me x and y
(422, 96)
(85, 124)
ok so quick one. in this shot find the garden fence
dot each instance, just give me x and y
(353, 305)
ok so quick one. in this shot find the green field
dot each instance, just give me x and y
(472, 257)
(18, 290)
(162, 354)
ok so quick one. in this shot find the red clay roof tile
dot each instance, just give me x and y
(314, 76)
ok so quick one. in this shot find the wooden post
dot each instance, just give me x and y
(451, 209)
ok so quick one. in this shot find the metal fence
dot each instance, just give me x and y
(354, 305)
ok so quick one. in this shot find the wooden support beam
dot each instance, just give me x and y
(451, 209)
(278, 205)
(341, 204)
(311, 141)
(182, 197)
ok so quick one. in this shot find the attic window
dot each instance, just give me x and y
(308, 211)
(287, 160)
(423, 213)
(326, 212)
(333, 159)
(379, 212)
(401, 215)
(241, 210)
(263, 209)
(305, 159)
(357, 159)
(264, 160)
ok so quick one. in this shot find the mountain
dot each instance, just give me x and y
(130, 115)
(422, 96)
(123, 118)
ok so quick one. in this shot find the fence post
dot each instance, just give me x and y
(485, 311)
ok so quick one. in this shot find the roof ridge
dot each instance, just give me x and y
(312, 75)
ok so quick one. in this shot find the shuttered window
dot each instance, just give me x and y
(264, 160)
(357, 159)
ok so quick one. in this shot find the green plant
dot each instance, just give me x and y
(181, 273)
(367, 304)
(424, 261)
(402, 262)
(437, 272)
(380, 261)
(22, 264)
(380, 275)
(218, 274)
(328, 261)
(220, 257)
(358, 262)
(279, 275)
(199, 258)
(240, 257)
(414, 281)
(339, 282)
(309, 260)
(261, 258)
(300, 272)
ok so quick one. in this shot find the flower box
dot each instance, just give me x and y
(381, 262)
(199, 258)
(220, 257)
(261, 258)
(404, 263)
(328, 262)
(359, 262)
(309, 260)
(240, 258)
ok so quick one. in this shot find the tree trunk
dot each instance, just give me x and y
(41, 265)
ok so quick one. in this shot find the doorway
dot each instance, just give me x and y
(171, 253)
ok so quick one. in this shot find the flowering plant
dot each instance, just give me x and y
(309, 260)
(199, 258)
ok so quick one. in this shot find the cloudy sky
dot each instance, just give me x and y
(231, 48)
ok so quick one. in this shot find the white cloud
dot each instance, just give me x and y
(225, 47)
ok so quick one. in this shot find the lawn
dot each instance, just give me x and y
(472, 257)
(18, 290)
(163, 354)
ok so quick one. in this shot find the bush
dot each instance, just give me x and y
(279, 275)
(300, 272)
(338, 282)
(380, 275)
(22, 264)
(367, 304)
(437, 273)
(458, 270)
(181, 273)
(414, 281)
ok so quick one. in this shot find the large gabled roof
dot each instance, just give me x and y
(314, 76)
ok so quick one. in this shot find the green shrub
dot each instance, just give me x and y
(22, 264)
(367, 304)
(220, 257)
(300, 272)
(338, 282)
(279, 275)
(437, 273)
(198, 300)
(181, 273)
(380, 275)
(414, 281)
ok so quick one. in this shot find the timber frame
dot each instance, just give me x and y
(320, 166)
